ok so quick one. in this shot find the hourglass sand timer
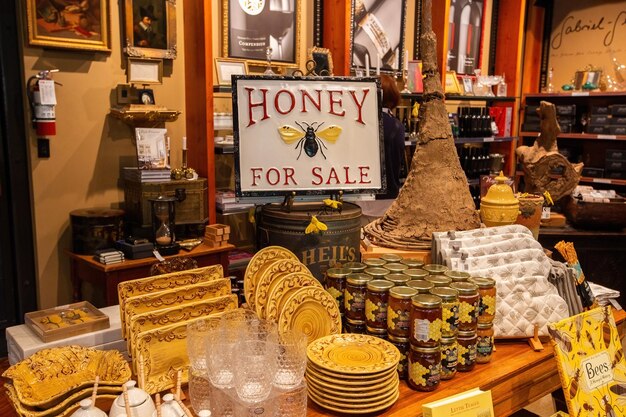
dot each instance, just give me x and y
(163, 224)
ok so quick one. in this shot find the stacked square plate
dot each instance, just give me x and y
(352, 373)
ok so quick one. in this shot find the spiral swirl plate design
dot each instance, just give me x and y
(311, 310)
(281, 287)
(353, 354)
(322, 380)
(257, 262)
(274, 271)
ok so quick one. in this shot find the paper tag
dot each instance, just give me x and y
(607, 136)
(46, 92)
(489, 139)
(603, 180)
(158, 255)
(545, 213)
(580, 93)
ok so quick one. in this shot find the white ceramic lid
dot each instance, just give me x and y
(136, 396)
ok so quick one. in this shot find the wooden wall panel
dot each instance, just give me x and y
(336, 33)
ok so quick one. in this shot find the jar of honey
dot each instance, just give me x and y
(438, 280)
(402, 343)
(376, 303)
(354, 296)
(457, 276)
(469, 301)
(354, 326)
(355, 266)
(412, 262)
(391, 257)
(449, 357)
(380, 333)
(424, 368)
(466, 341)
(399, 310)
(335, 284)
(484, 342)
(425, 324)
(487, 293)
(422, 287)
(449, 309)
(377, 273)
(398, 279)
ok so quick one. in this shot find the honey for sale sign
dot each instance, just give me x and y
(308, 135)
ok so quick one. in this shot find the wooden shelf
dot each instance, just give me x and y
(591, 180)
(570, 94)
(418, 96)
(582, 136)
(136, 114)
(489, 139)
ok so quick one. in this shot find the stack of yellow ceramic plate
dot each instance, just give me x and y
(278, 287)
(352, 373)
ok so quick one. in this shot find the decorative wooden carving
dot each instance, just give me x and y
(545, 169)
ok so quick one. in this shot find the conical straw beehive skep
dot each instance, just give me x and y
(435, 196)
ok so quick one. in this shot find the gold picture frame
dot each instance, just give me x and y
(253, 52)
(144, 71)
(69, 27)
(155, 38)
(225, 67)
(323, 59)
(452, 85)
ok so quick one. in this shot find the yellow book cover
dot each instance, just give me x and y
(472, 403)
(591, 363)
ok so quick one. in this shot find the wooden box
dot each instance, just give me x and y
(65, 321)
(596, 215)
(191, 210)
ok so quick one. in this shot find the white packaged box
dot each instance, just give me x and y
(22, 342)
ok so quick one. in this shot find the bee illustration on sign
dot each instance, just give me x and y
(310, 138)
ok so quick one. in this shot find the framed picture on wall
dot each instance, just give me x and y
(150, 28)
(251, 27)
(377, 35)
(465, 39)
(226, 67)
(69, 25)
(323, 60)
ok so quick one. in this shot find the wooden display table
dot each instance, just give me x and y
(83, 268)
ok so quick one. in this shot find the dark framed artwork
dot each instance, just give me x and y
(377, 35)
(150, 27)
(465, 35)
(251, 27)
(82, 25)
(323, 60)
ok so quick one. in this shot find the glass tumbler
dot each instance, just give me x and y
(291, 359)
(255, 369)
(199, 389)
(292, 403)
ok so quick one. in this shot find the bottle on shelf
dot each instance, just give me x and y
(469, 37)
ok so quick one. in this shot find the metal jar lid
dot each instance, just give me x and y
(396, 339)
(426, 301)
(465, 334)
(423, 287)
(421, 349)
(416, 273)
(377, 332)
(379, 285)
(445, 293)
(402, 292)
(457, 276)
(355, 266)
(483, 282)
(378, 273)
(358, 279)
(465, 288)
(447, 340)
(355, 322)
(371, 262)
(397, 278)
(438, 280)
(435, 269)
(338, 272)
(412, 262)
(391, 257)
(484, 326)
(395, 267)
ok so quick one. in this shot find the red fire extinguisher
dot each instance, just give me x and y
(43, 101)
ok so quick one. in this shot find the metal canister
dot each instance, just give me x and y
(376, 303)
(354, 296)
(335, 284)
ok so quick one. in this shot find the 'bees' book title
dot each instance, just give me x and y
(591, 363)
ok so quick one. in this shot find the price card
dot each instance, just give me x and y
(580, 93)
(607, 136)
(602, 180)
(489, 139)
(545, 213)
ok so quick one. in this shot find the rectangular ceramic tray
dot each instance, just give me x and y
(65, 321)
(163, 282)
(175, 297)
(172, 315)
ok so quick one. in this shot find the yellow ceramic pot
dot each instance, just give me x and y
(530, 207)
(499, 207)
